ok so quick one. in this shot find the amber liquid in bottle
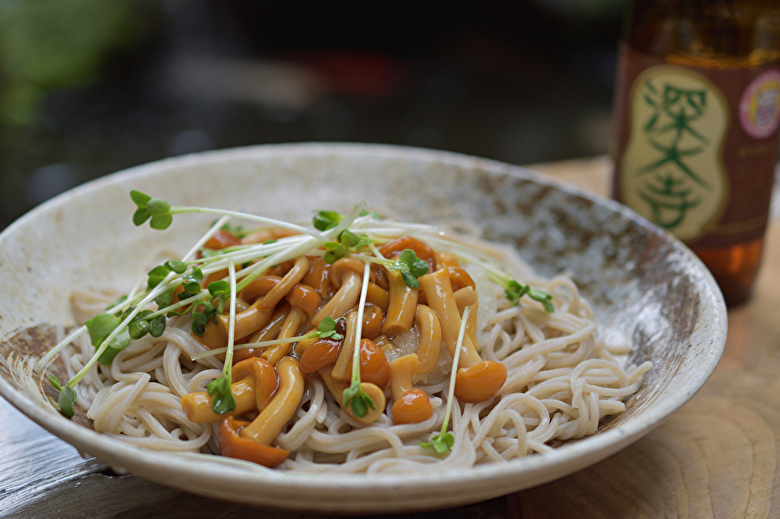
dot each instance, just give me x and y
(732, 35)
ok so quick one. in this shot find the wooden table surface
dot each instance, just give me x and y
(718, 456)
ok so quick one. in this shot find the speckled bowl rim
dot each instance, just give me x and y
(281, 489)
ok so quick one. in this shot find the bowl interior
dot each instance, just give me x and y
(648, 291)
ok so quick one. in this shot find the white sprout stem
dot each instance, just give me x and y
(372, 247)
(359, 330)
(366, 223)
(156, 291)
(123, 306)
(467, 253)
(249, 217)
(62, 344)
(251, 252)
(206, 237)
(232, 320)
(304, 248)
(248, 275)
(263, 344)
(454, 373)
(271, 260)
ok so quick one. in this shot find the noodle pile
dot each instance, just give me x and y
(561, 381)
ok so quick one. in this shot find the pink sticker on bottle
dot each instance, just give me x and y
(759, 107)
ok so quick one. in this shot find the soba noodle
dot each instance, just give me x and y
(561, 381)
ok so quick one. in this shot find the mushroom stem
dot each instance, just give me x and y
(430, 339)
(257, 315)
(438, 292)
(304, 301)
(294, 320)
(288, 282)
(269, 423)
(378, 296)
(464, 297)
(345, 299)
(402, 306)
(401, 374)
(268, 332)
(342, 370)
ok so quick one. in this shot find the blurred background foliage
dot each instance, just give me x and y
(88, 87)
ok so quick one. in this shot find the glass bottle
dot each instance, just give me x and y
(695, 133)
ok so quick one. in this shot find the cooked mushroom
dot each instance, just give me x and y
(402, 306)
(411, 405)
(304, 301)
(337, 388)
(473, 373)
(429, 343)
(255, 382)
(281, 408)
(347, 275)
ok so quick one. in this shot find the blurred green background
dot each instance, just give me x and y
(89, 87)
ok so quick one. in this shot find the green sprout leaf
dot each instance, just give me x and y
(327, 329)
(142, 213)
(441, 443)
(219, 287)
(99, 327)
(176, 266)
(355, 397)
(67, 396)
(324, 220)
(156, 275)
(147, 207)
(542, 297)
(513, 291)
(353, 241)
(236, 230)
(410, 280)
(345, 242)
(126, 313)
(140, 199)
(158, 206)
(224, 400)
(138, 328)
(66, 400)
(195, 276)
(161, 222)
(164, 300)
(157, 326)
(411, 267)
(199, 320)
(191, 282)
(373, 214)
(334, 251)
(55, 382)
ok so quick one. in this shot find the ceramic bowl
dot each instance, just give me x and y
(647, 288)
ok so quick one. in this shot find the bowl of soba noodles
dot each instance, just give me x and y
(348, 328)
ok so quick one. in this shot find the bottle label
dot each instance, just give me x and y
(759, 108)
(696, 147)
